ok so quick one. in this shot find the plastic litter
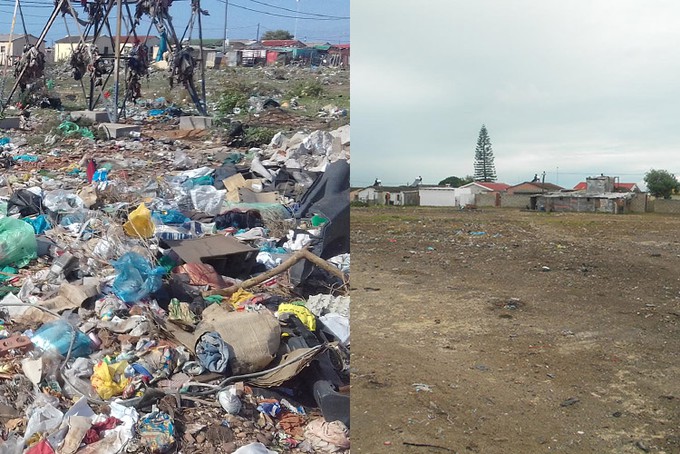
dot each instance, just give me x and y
(139, 223)
(109, 379)
(18, 245)
(58, 335)
(229, 400)
(157, 432)
(137, 278)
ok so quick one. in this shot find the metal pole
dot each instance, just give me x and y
(224, 41)
(50, 21)
(116, 63)
(257, 38)
(297, 3)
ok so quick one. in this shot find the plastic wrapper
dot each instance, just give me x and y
(40, 224)
(44, 419)
(229, 400)
(208, 199)
(181, 161)
(137, 278)
(18, 245)
(61, 201)
(157, 432)
(305, 315)
(109, 379)
(254, 448)
(167, 217)
(57, 336)
(25, 203)
(139, 223)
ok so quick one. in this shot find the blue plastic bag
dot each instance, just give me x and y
(57, 336)
(170, 217)
(40, 224)
(137, 278)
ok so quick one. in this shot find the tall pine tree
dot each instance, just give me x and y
(484, 167)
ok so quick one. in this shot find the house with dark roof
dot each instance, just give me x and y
(533, 187)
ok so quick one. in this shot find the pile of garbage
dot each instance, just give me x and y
(164, 296)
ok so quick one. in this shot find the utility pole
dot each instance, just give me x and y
(297, 3)
(258, 33)
(224, 41)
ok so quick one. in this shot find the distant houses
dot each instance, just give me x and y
(597, 194)
(239, 52)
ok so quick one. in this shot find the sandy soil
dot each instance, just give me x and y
(546, 333)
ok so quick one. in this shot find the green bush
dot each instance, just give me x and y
(230, 99)
(309, 89)
(256, 136)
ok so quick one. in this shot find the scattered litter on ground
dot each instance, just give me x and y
(174, 294)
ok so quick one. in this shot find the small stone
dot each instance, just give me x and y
(262, 439)
(248, 424)
(241, 435)
(200, 438)
(642, 445)
(617, 414)
(570, 401)
(229, 447)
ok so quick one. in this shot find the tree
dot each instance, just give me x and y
(277, 34)
(456, 182)
(484, 167)
(661, 183)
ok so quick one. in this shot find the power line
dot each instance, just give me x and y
(280, 15)
(297, 12)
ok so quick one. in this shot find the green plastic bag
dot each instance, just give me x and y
(18, 245)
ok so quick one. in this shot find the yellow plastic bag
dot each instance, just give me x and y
(305, 315)
(108, 379)
(139, 223)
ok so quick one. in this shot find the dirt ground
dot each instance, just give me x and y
(464, 342)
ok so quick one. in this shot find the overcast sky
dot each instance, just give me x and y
(571, 88)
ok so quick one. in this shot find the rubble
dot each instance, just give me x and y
(166, 294)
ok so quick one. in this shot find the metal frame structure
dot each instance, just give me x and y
(86, 60)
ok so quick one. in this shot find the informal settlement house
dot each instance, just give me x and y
(598, 196)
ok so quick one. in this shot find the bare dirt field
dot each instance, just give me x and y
(545, 333)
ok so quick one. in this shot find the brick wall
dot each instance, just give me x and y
(515, 200)
(667, 206)
(485, 199)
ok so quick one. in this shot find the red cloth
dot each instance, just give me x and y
(42, 447)
(94, 434)
(91, 169)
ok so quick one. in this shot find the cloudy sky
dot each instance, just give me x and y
(571, 88)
